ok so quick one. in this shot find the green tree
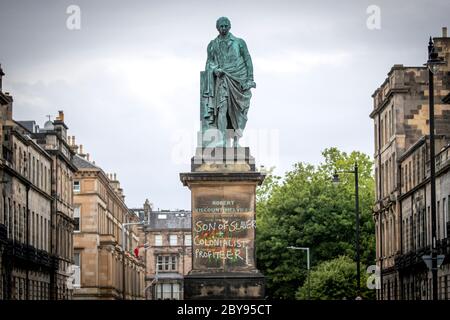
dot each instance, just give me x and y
(334, 280)
(306, 209)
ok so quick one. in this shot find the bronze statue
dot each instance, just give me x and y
(225, 88)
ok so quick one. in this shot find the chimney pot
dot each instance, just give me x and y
(115, 177)
(81, 149)
(87, 156)
(73, 140)
(444, 32)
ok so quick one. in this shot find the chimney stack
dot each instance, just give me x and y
(81, 154)
(444, 32)
(60, 115)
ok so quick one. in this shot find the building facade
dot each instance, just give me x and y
(168, 251)
(53, 139)
(401, 212)
(104, 270)
(35, 249)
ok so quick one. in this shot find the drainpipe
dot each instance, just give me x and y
(380, 215)
(399, 183)
(27, 291)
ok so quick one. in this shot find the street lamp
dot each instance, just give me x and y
(336, 181)
(307, 266)
(433, 64)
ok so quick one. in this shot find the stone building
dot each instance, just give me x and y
(36, 208)
(104, 270)
(168, 252)
(54, 140)
(401, 211)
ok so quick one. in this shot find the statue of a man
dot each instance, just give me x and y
(228, 80)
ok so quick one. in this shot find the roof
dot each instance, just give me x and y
(81, 163)
(172, 220)
(29, 125)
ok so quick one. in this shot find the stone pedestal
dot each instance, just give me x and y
(223, 185)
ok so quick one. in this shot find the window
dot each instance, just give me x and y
(158, 240)
(444, 218)
(76, 186)
(76, 217)
(187, 240)
(77, 271)
(376, 138)
(168, 291)
(166, 263)
(173, 239)
(438, 213)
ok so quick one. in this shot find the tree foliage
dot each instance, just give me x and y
(305, 209)
(334, 280)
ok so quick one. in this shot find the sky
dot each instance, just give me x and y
(126, 74)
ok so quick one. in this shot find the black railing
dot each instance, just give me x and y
(3, 233)
(448, 228)
(443, 246)
(28, 256)
(411, 259)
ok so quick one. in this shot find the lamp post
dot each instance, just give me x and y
(124, 225)
(307, 266)
(433, 65)
(358, 262)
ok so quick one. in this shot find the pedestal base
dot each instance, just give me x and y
(224, 286)
(223, 185)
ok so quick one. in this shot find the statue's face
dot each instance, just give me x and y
(223, 26)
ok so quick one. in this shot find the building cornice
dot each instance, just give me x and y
(387, 99)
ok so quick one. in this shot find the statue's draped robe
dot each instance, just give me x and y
(230, 54)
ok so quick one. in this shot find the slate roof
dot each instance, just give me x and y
(174, 220)
(29, 125)
(81, 163)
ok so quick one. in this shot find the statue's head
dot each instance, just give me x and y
(223, 25)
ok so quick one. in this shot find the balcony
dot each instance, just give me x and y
(107, 239)
(412, 259)
(43, 258)
(443, 159)
(27, 256)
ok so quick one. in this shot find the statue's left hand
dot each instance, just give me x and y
(248, 85)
